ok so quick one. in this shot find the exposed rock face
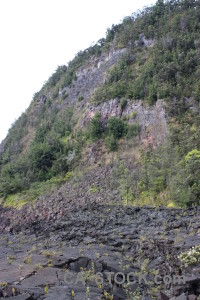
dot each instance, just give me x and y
(143, 41)
(89, 78)
(152, 120)
(43, 99)
(106, 109)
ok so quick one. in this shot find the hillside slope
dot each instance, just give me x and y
(133, 97)
(102, 171)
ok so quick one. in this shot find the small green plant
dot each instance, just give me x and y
(133, 131)
(123, 103)
(80, 98)
(87, 292)
(46, 289)
(88, 274)
(137, 295)
(49, 254)
(28, 260)
(192, 155)
(3, 284)
(50, 263)
(144, 265)
(13, 291)
(64, 95)
(108, 296)
(191, 257)
(10, 259)
(55, 94)
(94, 189)
(133, 115)
(34, 248)
(68, 176)
(111, 143)
(171, 205)
(38, 266)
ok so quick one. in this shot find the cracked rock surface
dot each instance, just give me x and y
(59, 258)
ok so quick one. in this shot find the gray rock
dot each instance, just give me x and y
(181, 297)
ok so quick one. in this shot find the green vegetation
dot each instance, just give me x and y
(35, 190)
(172, 172)
(114, 130)
(191, 257)
(95, 127)
(192, 167)
(116, 127)
(64, 95)
(133, 130)
(170, 68)
(50, 155)
(123, 103)
(111, 143)
(94, 189)
(168, 175)
(80, 98)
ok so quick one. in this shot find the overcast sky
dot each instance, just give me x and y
(38, 35)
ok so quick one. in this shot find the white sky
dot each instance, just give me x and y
(38, 35)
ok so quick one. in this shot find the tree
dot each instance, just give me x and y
(116, 127)
(192, 160)
(42, 158)
(95, 127)
(111, 143)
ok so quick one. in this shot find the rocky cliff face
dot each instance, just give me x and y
(89, 77)
(152, 120)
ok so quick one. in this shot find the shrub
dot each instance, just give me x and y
(55, 93)
(95, 127)
(191, 257)
(171, 205)
(123, 103)
(80, 98)
(152, 94)
(94, 189)
(111, 143)
(159, 184)
(133, 115)
(133, 131)
(64, 95)
(116, 127)
(192, 173)
(42, 158)
(56, 76)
